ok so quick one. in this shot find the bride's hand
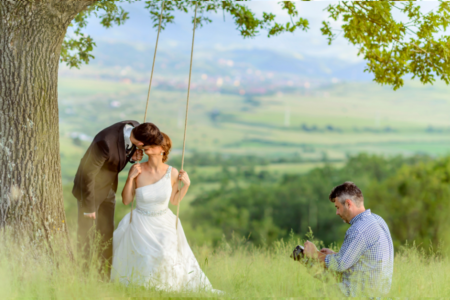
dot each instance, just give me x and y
(184, 177)
(134, 171)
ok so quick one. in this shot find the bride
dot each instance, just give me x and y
(150, 251)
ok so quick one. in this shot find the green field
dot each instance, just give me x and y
(364, 118)
(333, 121)
(324, 127)
(323, 124)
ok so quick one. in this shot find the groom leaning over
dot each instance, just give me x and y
(366, 258)
(96, 180)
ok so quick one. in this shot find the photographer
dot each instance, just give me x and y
(366, 257)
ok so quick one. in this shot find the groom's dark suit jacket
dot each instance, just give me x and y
(98, 172)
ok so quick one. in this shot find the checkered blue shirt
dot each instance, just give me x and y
(366, 258)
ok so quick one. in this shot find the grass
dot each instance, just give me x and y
(236, 268)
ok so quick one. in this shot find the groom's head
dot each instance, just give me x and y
(348, 200)
(146, 135)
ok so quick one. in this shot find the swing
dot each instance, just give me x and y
(187, 101)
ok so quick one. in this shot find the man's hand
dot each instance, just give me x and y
(137, 156)
(90, 215)
(310, 250)
(327, 251)
(323, 254)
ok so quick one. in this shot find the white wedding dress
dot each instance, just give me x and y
(149, 251)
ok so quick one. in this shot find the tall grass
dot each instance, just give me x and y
(236, 268)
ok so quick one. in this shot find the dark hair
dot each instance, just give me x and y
(347, 190)
(149, 134)
(166, 145)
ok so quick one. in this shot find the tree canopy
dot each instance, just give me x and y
(393, 49)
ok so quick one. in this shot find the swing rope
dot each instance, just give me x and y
(150, 84)
(154, 58)
(187, 110)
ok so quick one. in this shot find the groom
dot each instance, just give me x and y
(95, 183)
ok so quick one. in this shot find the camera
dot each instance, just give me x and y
(298, 254)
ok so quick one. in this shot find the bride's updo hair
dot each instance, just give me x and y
(148, 134)
(166, 145)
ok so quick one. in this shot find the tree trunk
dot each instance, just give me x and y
(31, 35)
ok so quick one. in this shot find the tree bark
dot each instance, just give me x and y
(31, 35)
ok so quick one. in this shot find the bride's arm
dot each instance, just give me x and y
(176, 196)
(129, 190)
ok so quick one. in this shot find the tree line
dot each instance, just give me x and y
(410, 193)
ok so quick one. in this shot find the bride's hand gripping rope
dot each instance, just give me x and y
(184, 178)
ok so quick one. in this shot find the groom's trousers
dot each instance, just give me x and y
(99, 230)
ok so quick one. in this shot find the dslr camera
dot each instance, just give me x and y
(298, 253)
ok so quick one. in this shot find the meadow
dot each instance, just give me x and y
(332, 120)
(299, 130)
(236, 268)
(310, 129)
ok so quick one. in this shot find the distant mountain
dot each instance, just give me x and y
(222, 56)
(298, 65)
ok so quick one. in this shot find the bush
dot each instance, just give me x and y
(415, 202)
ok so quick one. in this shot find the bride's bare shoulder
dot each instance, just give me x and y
(174, 174)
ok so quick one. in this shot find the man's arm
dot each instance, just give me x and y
(98, 154)
(323, 254)
(351, 251)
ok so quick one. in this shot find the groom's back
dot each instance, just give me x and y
(100, 165)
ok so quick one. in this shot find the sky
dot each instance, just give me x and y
(222, 35)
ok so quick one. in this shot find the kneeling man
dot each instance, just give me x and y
(366, 258)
